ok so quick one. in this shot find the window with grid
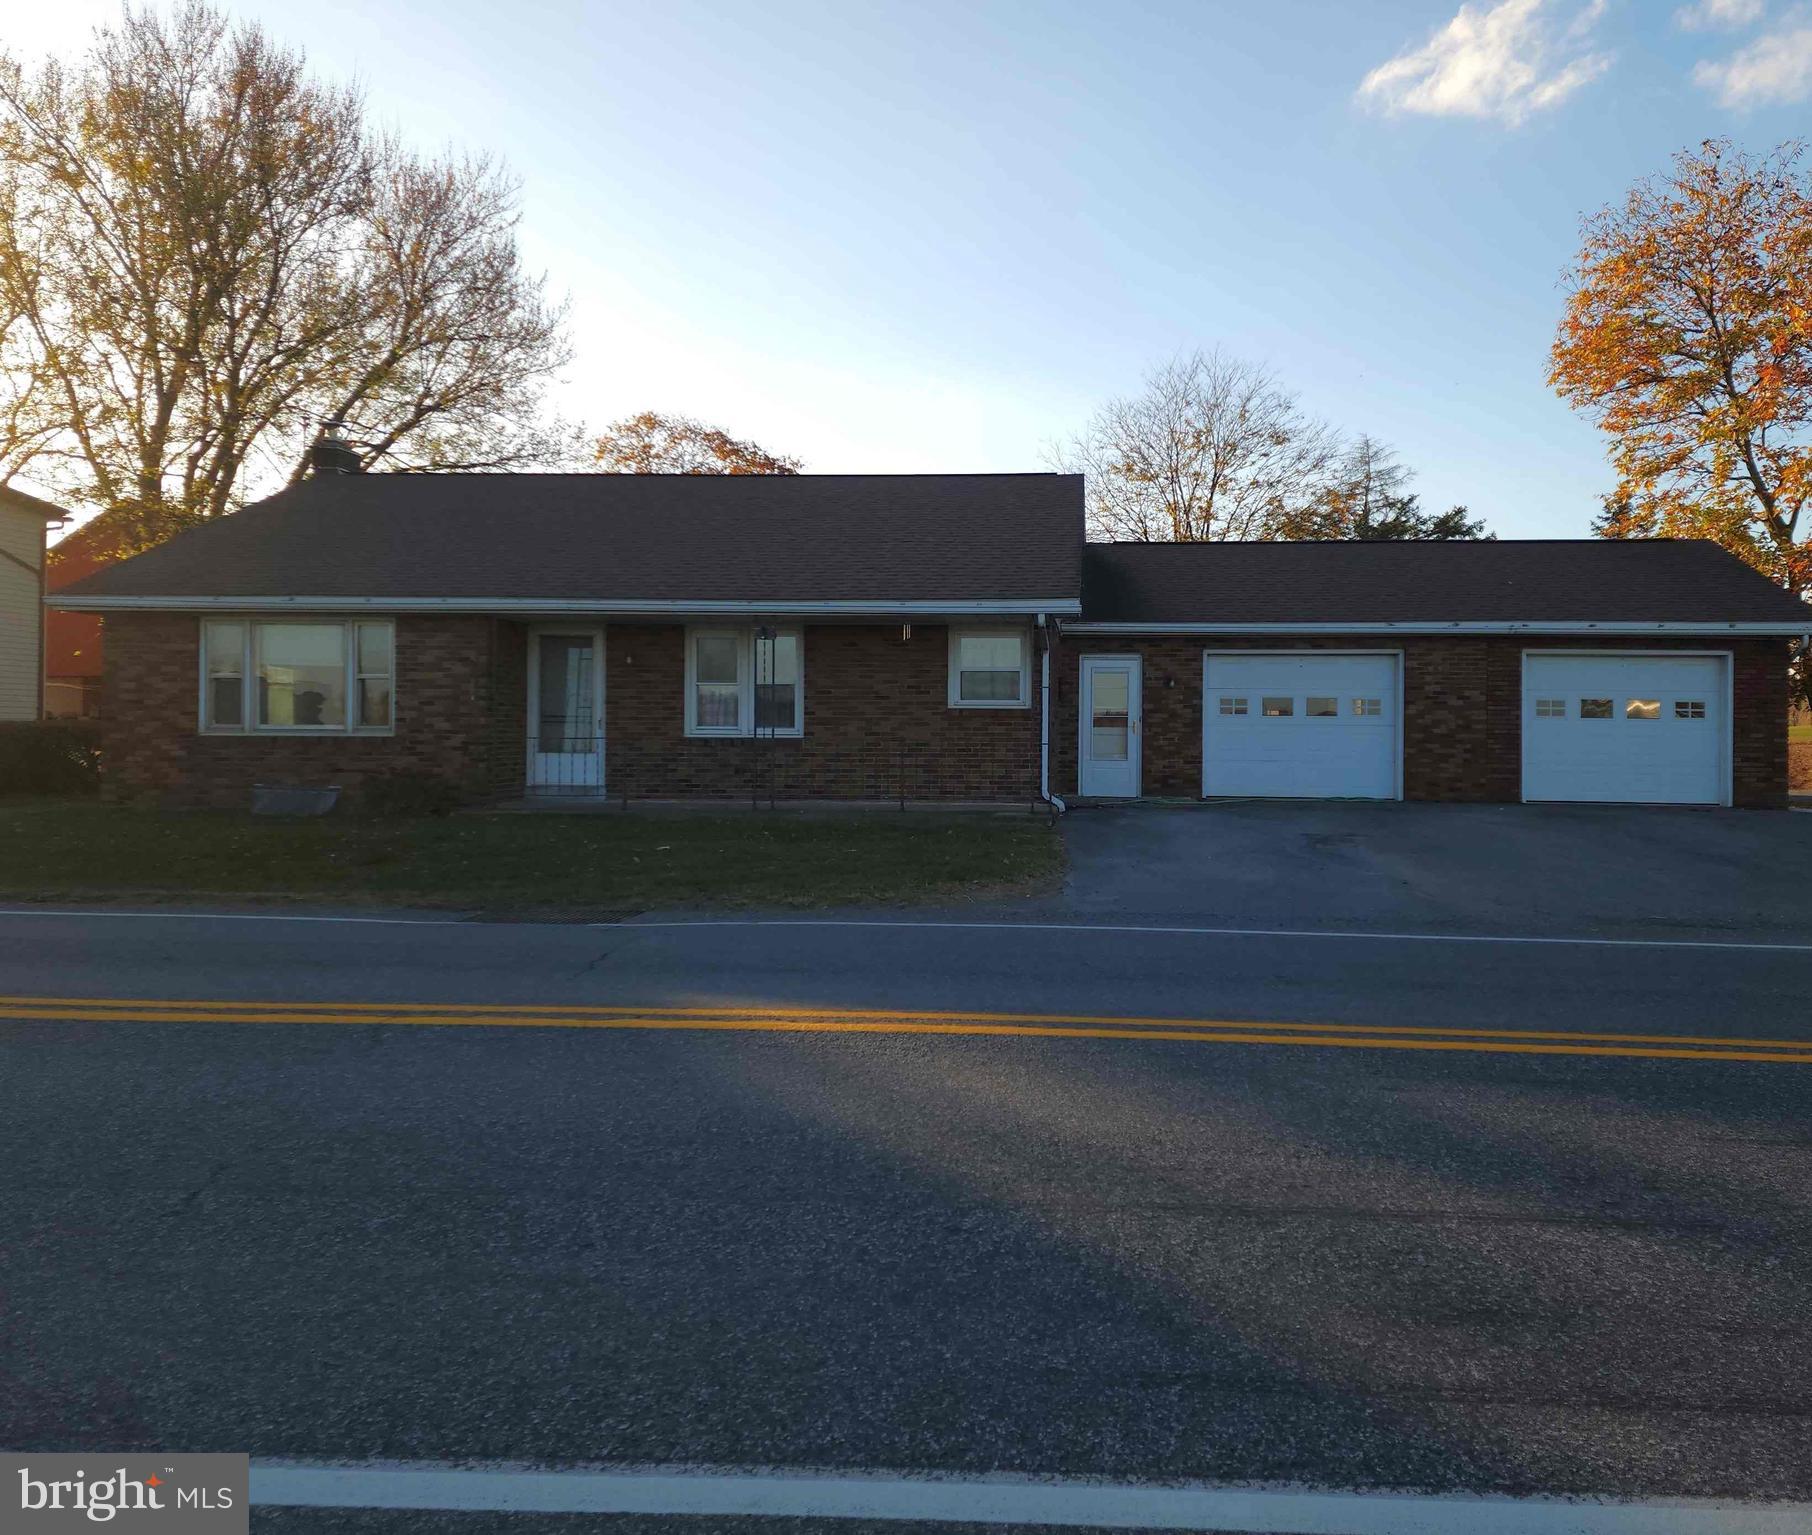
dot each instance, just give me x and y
(297, 675)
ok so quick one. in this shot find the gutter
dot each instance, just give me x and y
(1541, 626)
(555, 607)
(1044, 721)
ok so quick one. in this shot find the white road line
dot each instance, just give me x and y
(727, 1493)
(658, 924)
(1216, 932)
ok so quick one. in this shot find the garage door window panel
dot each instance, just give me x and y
(1279, 708)
(1689, 709)
(1550, 708)
(1322, 708)
(1233, 706)
(1642, 709)
(1594, 708)
(1368, 708)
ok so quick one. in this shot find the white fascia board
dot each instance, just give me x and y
(1572, 626)
(537, 606)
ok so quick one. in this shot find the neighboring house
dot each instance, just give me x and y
(23, 523)
(72, 641)
(918, 637)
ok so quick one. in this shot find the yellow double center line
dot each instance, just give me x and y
(797, 1020)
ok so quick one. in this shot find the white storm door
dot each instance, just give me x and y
(1612, 726)
(1109, 752)
(566, 710)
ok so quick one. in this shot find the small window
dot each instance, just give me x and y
(777, 682)
(1550, 708)
(1689, 709)
(1233, 705)
(1594, 708)
(224, 644)
(717, 677)
(1279, 708)
(1642, 709)
(745, 681)
(989, 668)
(1368, 706)
(373, 678)
(1322, 708)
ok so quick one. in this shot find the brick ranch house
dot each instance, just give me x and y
(914, 637)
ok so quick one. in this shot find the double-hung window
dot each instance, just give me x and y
(746, 680)
(990, 668)
(297, 675)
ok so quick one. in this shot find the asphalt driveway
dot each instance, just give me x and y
(1563, 870)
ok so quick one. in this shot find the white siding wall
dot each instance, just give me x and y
(21, 622)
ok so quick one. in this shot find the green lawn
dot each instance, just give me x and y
(1799, 732)
(599, 862)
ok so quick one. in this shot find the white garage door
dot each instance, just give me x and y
(1300, 725)
(1640, 729)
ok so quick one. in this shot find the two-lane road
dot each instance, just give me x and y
(1360, 1210)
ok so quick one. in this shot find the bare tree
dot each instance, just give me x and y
(204, 253)
(1212, 448)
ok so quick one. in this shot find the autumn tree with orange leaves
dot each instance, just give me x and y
(1688, 339)
(652, 443)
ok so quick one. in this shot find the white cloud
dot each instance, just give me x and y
(1501, 61)
(1708, 14)
(1775, 68)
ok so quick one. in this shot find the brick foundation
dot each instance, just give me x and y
(1462, 710)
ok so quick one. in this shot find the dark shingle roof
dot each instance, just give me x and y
(1538, 581)
(963, 538)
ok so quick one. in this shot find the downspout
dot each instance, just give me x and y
(1044, 720)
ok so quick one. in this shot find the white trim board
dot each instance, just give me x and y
(726, 1492)
(1573, 627)
(561, 607)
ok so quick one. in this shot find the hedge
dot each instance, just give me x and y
(50, 757)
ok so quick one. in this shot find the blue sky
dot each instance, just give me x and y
(919, 237)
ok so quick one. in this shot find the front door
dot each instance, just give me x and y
(566, 711)
(1110, 727)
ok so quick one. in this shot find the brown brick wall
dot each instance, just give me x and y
(1462, 710)
(455, 682)
(877, 721)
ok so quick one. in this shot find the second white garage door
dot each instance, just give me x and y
(1300, 725)
(1644, 729)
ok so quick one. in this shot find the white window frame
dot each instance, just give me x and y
(954, 687)
(248, 676)
(744, 635)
